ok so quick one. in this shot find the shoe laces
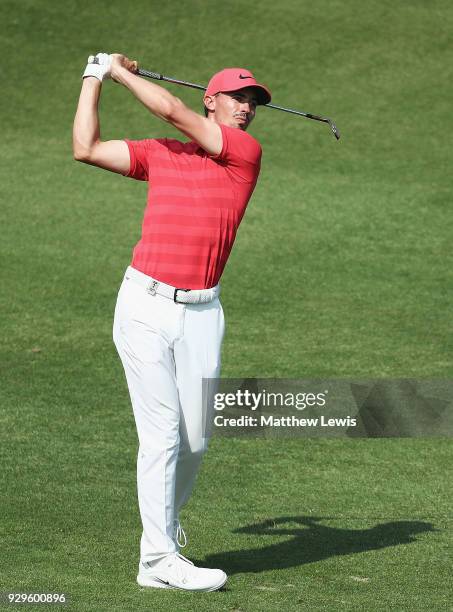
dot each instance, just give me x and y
(180, 536)
(181, 569)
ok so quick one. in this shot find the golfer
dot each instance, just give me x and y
(169, 324)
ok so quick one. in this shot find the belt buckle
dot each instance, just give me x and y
(175, 295)
(152, 287)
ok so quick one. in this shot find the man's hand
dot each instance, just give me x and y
(121, 62)
(98, 66)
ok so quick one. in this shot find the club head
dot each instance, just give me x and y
(334, 129)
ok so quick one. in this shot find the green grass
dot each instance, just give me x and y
(323, 526)
(342, 268)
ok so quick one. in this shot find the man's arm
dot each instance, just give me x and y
(164, 105)
(87, 147)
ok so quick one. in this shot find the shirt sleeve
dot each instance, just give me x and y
(140, 153)
(241, 153)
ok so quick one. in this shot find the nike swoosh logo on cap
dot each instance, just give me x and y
(245, 77)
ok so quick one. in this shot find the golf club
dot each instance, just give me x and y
(160, 77)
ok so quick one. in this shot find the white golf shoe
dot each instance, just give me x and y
(176, 572)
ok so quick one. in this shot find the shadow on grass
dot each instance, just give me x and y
(310, 543)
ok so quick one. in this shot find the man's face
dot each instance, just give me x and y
(234, 108)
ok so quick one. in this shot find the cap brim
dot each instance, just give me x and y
(264, 95)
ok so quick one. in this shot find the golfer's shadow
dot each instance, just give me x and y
(310, 543)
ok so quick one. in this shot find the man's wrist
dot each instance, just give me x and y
(92, 81)
(120, 74)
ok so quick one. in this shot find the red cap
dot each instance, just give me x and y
(232, 79)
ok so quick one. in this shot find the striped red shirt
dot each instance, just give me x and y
(195, 205)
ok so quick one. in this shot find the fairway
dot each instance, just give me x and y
(342, 268)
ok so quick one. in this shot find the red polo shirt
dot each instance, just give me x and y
(195, 205)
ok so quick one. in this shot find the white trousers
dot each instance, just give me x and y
(166, 349)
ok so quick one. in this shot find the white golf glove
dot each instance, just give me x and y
(101, 68)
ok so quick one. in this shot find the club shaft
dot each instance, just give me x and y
(161, 77)
(295, 112)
